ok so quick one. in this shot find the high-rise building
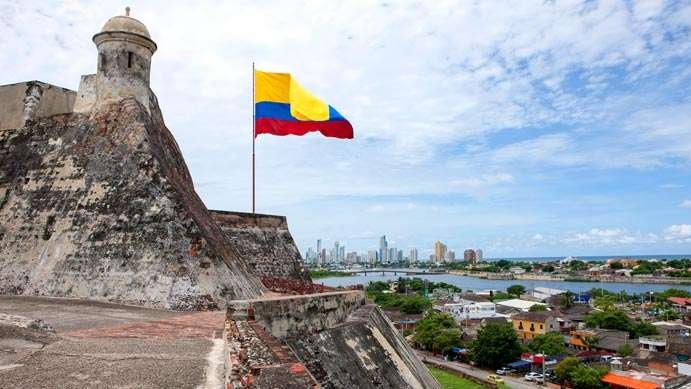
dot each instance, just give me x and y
(450, 256)
(341, 254)
(392, 254)
(413, 255)
(439, 252)
(320, 256)
(311, 256)
(372, 257)
(335, 252)
(383, 250)
(469, 255)
(478, 255)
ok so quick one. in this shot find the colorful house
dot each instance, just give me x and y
(531, 324)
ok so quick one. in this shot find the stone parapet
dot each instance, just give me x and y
(291, 315)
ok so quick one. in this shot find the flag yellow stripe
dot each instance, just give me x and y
(306, 106)
(282, 88)
(272, 87)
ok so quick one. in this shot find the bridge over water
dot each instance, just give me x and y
(407, 272)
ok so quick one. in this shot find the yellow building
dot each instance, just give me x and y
(531, 324)
(440, 250)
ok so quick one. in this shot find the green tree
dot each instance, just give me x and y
(625, 350)
(616, 265)
(584, 377)
(495, 345)
(565, 368)
(516, 290)
(642, 328)
(551, 343)
(674, 292)
(606, 303)
(566, 300)
(437, 332)
(414, 304)
(537, 308)
(578, 265)
(668, 315)
(548, 269)
(612, 320)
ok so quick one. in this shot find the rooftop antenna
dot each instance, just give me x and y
(127, 11)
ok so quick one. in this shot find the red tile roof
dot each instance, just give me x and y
(628, 382)
(679, 300)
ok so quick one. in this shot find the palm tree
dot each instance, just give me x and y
(566, 300)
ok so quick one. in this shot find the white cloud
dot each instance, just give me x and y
(685, 204)
(678, 233)
(600, 237)
(463, 102)
(538, 237)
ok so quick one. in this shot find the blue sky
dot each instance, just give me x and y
(525, 128)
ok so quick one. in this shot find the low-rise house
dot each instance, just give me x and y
(442, 294)
(531, 324)
(465, 309)
(681, 304)
(572, 318)
(522, 305)
(543, 293)
(469, 328)
(670, 328)
(653, 343)
(631, 379)
(600, 340)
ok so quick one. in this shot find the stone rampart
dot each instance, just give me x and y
(265, 243)
(286, 316)
(102, 206)
(336, 339)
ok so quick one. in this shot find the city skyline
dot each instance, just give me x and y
(385, 252)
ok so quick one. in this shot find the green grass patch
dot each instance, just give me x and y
(452, 381)
(328, 274)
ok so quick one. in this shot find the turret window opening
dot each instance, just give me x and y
(129, 59)
(102, 61)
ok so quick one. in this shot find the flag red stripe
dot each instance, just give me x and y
(332, 128)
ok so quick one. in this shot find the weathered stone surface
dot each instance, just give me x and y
(338, 340)
(365, 352)
(265, 243)
(30, 100)
(103, 345)
(293, 315)
(102, 206)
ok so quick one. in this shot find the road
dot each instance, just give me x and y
(513, 382)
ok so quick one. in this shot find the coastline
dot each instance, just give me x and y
(570, 278)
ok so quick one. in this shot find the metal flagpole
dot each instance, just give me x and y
(254, 136)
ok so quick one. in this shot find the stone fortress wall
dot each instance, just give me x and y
(31, 100)
(330, 340)
(265, 243)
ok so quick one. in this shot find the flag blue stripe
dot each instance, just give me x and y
(281, 111)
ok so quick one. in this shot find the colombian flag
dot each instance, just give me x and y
(283, 107)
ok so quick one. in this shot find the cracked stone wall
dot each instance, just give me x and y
(265, 243)
(364, 352)
(102, 206)
(340, 340)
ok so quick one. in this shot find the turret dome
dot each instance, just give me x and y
(122, 23)
(125, 28)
